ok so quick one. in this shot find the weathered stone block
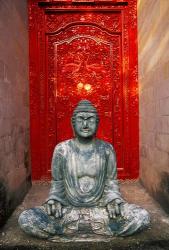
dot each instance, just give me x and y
(159, 159)
(143, 151)
(162, 142)
(2, 144)
(153, 49)
(164, 106)
(2, 70)
(3, 193)
(8, 144)
(16, 177)
(166, 70)
(148, 175)
(14, 113)
(147, 138)
(163, 124)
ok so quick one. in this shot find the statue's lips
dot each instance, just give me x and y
(85, 130)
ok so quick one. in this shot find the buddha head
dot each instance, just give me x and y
(85, 119)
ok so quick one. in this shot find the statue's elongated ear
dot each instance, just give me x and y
(72, 120)
(72, 125)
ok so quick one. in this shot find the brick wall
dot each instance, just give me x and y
(14, 105)
(153, 31)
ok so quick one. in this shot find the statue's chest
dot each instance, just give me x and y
(87, 164)
(85, 169)
(87, 172)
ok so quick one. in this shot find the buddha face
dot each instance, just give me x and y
(85, 124)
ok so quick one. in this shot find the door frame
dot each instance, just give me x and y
(38, 94)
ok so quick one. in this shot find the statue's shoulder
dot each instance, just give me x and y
(108, 147)
(62, 147)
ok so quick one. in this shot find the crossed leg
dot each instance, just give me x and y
(135, 220)
(37, 222)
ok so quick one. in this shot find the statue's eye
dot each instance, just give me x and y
(92, 119)
(79, 119)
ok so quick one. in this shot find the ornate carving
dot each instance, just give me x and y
(86, 62)
(111, 21)
(133, 13)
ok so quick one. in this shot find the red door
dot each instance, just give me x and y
(83, 50)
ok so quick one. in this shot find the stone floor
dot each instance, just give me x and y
(156, 237)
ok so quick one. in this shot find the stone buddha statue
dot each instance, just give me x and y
(84, 197)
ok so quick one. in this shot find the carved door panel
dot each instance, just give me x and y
(82, 52)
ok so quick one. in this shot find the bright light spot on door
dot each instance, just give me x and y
(80, 85)
(84, 87)
(87, 87)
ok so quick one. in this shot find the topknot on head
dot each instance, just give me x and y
(85, 106)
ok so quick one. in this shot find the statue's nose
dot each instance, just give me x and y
(85, 124)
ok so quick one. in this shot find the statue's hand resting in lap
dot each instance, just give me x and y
(54, 208)
(115, 208)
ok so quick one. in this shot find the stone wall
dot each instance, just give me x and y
(153, 38)
(14, 105)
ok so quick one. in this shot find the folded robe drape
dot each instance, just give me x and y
(65, 186)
